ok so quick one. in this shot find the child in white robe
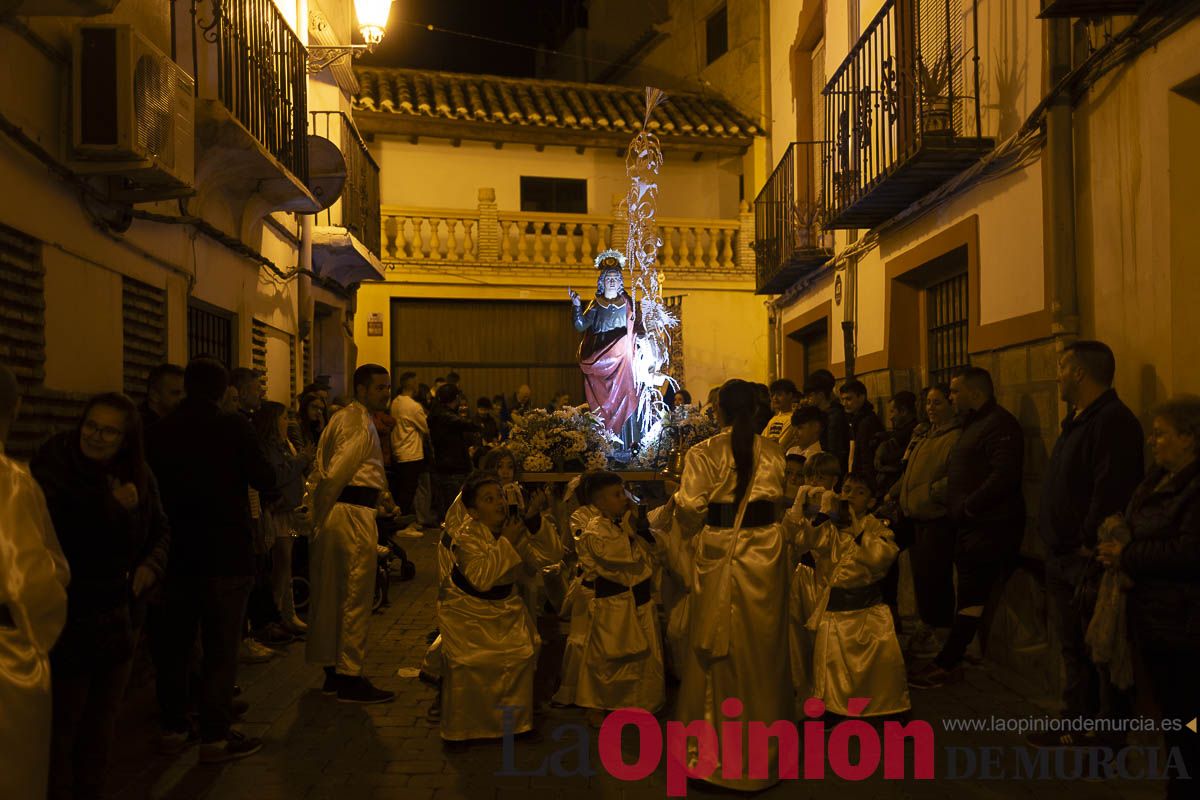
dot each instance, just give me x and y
(489, 642)
(820, 475)
(578, 603)
(623, 658)
(856, 652)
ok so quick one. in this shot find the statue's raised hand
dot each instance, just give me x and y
(575, 301)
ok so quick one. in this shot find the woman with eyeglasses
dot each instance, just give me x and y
(921, 493)
(104, 503)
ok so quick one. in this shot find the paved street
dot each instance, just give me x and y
(317, 748)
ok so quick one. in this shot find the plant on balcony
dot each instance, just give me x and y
(934, 82)
(806, 220)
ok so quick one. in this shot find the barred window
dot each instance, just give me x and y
(210, 332)
(946, 315)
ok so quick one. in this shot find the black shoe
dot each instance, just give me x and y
(332, 681)
(237, 690)
(239, 707)
(360, 690)
(431, 680)
(231, 748)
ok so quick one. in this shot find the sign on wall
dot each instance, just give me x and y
(375, 324)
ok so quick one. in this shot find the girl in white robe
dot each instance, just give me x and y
(578, 607)
(738, 631)
(489, 642)
(856, 652)
(622, 657)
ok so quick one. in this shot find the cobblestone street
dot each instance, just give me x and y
(317, 748)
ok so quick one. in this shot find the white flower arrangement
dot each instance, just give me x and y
(543, 441)
(676, 429)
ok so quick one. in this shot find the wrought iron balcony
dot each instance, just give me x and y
(902, 114)
(261, 76)
(790, 240)
(357, 209)
(1088, 8)
(251, 107)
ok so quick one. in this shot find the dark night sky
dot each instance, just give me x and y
(530, 22)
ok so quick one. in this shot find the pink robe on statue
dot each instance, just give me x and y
(606, 360)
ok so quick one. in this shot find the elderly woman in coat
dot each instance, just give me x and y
(1163, 561)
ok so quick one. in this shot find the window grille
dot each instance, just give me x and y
(210, 332)
(946, 315)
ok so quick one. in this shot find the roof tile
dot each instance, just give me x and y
(492, 100)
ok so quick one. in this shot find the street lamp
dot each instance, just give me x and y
(372, 23)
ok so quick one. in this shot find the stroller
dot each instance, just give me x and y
(393, 563)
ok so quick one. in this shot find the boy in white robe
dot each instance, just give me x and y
(856, 652)
(489, 642)
(623, 659)
(820, 475)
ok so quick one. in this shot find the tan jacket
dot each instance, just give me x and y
(922, 486)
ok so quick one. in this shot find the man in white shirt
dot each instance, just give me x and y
(33, 609)
(784, 397)
(408, 449)
(343, 493)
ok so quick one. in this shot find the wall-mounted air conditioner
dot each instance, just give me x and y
(134, 112)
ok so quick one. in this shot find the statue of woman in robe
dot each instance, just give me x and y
(606, 353)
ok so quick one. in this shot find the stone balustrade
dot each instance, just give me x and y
(484, 235)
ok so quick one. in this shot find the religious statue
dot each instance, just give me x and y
(606, 354)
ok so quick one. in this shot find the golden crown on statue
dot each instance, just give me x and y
(610, 259)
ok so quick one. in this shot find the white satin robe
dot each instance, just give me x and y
(342, 548)
(610, 551)
(489, 647)
(754, 666)
(456, 515)
(803, 595)
(855, 653)
(578, 605)
(33, 581)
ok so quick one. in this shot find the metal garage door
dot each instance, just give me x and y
(494, 345)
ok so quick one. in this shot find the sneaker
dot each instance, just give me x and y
(295, 626)
(234, 746)
(254, 653)
(362, 691)
(332, 681)
(933, 677)
(273, 635)
(172, 743)
(413, 531)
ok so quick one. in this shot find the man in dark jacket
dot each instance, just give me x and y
(448, 434)
(835, 435)
(864, 425)
(1094, 468)
(205, 462)
(983, 493)
(891, 445)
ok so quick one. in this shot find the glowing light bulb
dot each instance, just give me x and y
(372, 19)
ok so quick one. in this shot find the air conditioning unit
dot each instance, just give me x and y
(134, 112)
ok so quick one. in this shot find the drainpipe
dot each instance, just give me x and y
(304, 301)
(773, 370)
(1058, 185)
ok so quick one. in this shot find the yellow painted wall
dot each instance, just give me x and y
(1136, 140)
(435, 174)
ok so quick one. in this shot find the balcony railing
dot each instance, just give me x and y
(260, 73)
(485, 236)
(790, 240)
(901, 113)
(357, 210)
